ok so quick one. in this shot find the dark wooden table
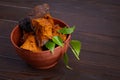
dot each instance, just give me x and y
(97, 27)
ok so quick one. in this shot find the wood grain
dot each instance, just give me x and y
(97, 27)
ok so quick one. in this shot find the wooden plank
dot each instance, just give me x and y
(95, 47)
(99, 18)
(97, 27)
(6, 27)
(99, 43)
(81, 71)
(12, 13)
(90, 64)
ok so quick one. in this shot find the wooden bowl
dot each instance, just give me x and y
(43, 59)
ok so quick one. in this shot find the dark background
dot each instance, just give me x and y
(97, 27)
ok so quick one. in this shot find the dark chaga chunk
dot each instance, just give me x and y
(25, 24)
(39, 11)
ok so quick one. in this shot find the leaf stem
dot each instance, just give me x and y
(75, 53)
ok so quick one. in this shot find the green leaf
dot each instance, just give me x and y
(57, 40)
(77, 57)
(75, 47)
(65, 58)
(67, 30)
(50, 45)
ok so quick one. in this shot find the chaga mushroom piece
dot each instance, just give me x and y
(43, 30)
(39, 11)
(26, 28)
(30, 44)
(42, 23)
(49, 18)
(25, 25)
